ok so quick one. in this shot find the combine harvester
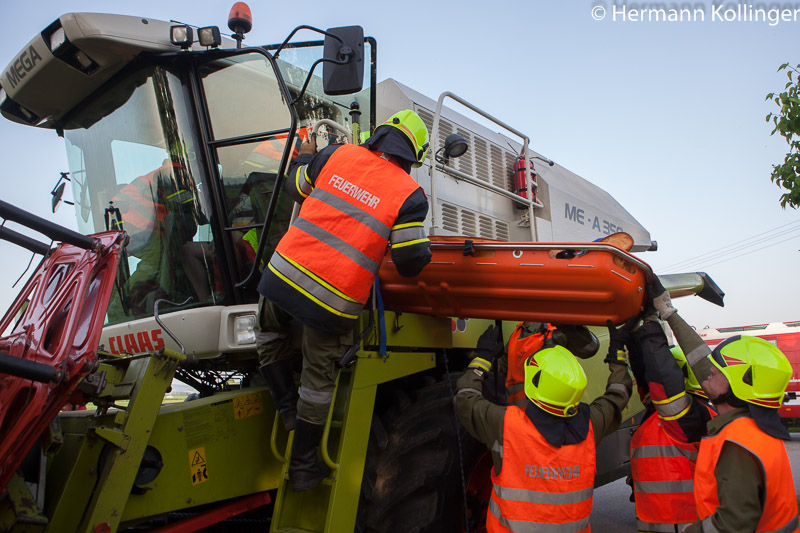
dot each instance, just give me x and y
(784, 335)
(177, 149)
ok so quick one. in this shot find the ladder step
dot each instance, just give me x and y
(293, 530)
(326, 481)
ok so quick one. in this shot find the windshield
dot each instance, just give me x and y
(195, 197)
(134, 166)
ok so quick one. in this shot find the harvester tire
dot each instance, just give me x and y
(412, 480)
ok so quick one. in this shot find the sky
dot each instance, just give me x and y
(667, 116)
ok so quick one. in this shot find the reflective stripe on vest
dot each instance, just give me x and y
(340, 245)
(519, 526)
(662, 450)
(780, 505)
(520, 349)
(663, 471)
(563, 478)
(339, 239)
(314, 288)
(548, 498)
(355, 212)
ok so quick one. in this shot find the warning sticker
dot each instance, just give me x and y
(197, 465)
(248, 405)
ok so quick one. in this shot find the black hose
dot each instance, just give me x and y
(23, 368)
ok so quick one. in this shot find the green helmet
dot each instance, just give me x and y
(415, 131)
(554, 381)
(757, 370)
(689, 379)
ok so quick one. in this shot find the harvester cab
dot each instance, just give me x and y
(178, 140)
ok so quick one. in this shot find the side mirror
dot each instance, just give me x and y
(58, 192)
(347, 78)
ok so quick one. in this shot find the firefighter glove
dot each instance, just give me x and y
(617, 339)
(661, 299)
(490, 344)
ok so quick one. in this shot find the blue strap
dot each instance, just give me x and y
(381, 320)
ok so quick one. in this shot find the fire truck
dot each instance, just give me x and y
(784, 335)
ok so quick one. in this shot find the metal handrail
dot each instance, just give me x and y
(323, 445)
(480, 183)
(525, 141)
(335, 125)
(273, 440)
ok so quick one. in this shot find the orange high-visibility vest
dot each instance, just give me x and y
(267, 154)
(519, 350)
(540, 486)
(333, 250)
(663, 472)
(780, 505)
(143, 201)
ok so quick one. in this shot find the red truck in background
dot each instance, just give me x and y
(784, 335)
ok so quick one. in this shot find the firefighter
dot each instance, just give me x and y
(529, 337)
(544, 453)
(354, 201)
(664, 446)
(160, 213)
(743, 478)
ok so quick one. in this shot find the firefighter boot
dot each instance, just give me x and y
(306, 469)
(283, 389)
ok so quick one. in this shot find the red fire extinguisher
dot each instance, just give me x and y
(520, 181)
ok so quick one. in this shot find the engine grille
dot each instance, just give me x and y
(460, 221)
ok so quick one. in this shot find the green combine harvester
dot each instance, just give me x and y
(178, 140)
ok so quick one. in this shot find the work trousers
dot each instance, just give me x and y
(320, 353)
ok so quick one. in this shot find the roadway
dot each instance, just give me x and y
(613, 511)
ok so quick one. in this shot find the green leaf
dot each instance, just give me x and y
(786, 122)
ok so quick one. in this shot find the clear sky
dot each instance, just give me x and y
(668, 117)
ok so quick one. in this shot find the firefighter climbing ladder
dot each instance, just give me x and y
(332, 505)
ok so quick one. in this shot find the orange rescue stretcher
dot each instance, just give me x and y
(565, 283)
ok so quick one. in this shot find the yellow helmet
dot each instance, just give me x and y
(689, 379)
(415, 131)
(554, 381)
(757, 370)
